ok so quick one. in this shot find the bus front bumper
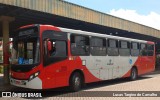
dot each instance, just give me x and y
(35, 83)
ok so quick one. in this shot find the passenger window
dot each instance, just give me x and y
(98, 46)
(113, 43)
(80, 45)
(124, 48)
(134, 45)
(54, 51)
(150, 49)
(112, 47)
(58, 49)
(143, 49)
(134, 49)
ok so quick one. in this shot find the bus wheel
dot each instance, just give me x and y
(75, 82)
(134, 74)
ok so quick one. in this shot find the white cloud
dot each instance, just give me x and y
(151, 20)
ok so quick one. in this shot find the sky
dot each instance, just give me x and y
(146, 12)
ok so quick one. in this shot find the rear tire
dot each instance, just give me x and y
(76, 82)
(134, 74)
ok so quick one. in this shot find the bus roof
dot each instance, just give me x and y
(93, 34)
(102, 35)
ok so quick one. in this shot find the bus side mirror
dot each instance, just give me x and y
(49, 46)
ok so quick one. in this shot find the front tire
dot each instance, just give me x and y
(134, 74)
(75, 82)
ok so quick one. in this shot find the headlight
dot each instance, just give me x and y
(34, 75)
(31, 77)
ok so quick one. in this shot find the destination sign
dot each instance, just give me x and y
(26, 32)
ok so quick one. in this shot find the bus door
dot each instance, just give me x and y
(55, 57)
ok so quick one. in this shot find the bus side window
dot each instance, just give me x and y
(112, 47)
(54, 50)
(98, 46)
(143, 49)
(134, 49)
(79, 45)
(58, 49)
(49, 47)
(124, 48)
(150, 50)
(61, 49)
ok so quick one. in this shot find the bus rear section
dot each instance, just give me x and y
(46, 56)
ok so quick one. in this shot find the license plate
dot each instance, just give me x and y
(18, 82)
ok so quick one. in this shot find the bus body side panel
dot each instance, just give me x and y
(137, 65)
(144, 64)
(58, 74)
(106, 67)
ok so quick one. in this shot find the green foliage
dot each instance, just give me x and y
(1, 69)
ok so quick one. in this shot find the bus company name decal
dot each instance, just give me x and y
(15, 94)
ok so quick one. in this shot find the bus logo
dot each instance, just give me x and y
(110, 62)
(130, 61)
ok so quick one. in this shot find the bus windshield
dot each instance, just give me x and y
(25, 51)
